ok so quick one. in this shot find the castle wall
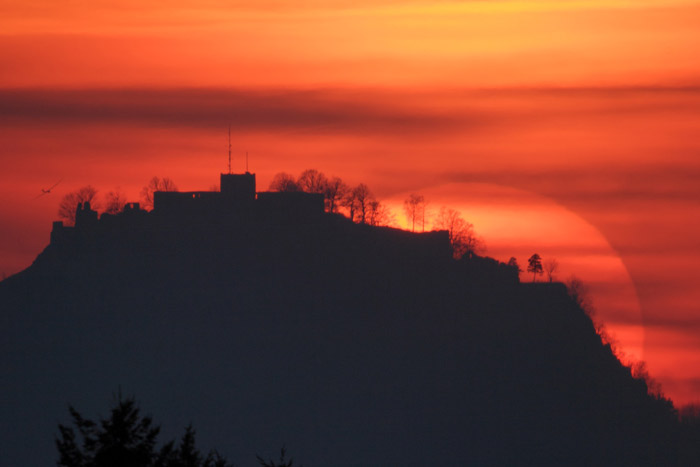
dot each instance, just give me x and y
(60, 233)
(179, 202)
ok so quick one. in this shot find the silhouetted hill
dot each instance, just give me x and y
(351, 345)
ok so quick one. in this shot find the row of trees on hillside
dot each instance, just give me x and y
(358, 202)
(463, 239)
(537, 267)
(361, 206)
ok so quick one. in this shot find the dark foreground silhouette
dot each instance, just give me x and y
(355, 345)
(126, 438)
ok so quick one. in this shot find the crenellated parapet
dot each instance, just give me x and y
(85, 217)
(88, 223)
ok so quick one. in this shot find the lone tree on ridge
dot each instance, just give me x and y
(534, 266)
(414, 207)
(551, 266)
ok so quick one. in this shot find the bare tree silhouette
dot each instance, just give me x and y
(414, 207)
(156, 184)
(115, 201)
(334, 193)
(579, 293)
(462, 236)
(550, 266)
(357, 201)
(283, 181)
(378, 214)
(349, 202)
(312, 181)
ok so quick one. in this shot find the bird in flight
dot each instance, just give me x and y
(48, 190)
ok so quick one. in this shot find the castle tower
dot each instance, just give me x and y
(238, 186)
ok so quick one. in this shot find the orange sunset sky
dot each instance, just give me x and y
(567, 128)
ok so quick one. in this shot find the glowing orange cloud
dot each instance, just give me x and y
(390, 44)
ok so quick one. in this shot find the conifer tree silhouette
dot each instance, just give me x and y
(282, 462)
(127, 438)
(534, 266)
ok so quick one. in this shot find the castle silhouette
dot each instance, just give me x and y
(236, 202)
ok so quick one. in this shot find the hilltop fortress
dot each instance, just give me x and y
(237, 208)
(271, 320)
(236, 202)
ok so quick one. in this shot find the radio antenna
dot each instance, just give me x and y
(229, 149)
(246, 162)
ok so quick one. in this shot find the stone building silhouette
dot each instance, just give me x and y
(237, 201)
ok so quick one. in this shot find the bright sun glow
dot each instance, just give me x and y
(516, 223)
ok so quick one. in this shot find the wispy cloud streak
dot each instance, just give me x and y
(248, 110)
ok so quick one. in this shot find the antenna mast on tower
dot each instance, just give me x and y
(229, 148)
